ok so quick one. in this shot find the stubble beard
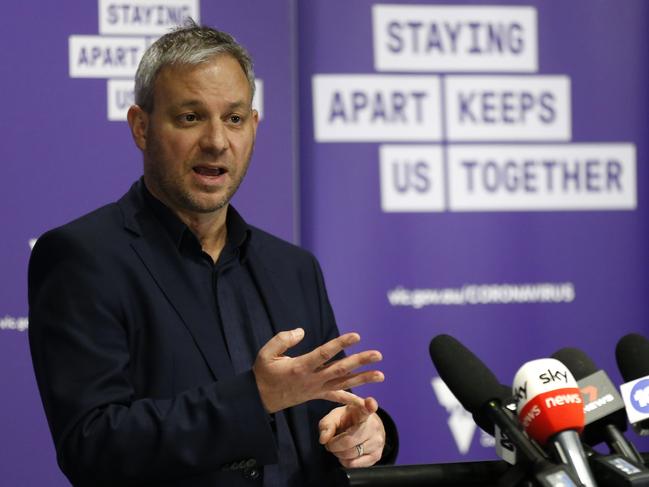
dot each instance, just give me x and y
(175, 192)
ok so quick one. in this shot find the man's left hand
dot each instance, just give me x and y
(354, 433)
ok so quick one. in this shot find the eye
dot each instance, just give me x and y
(189, 118)
(236, 119)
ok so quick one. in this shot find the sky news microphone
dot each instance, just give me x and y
(603, 406)
(550, 407)
(632, 354)
(480, 393)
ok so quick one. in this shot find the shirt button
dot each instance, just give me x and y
(251, 473)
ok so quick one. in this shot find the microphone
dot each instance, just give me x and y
(505, 449)
(632, 355)
(604, 408)
(551, 410)
(480, 393)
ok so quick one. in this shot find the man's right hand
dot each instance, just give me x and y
(286, 381)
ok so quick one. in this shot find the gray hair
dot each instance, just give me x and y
(189, 44)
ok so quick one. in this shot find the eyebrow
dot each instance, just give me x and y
(197, 103)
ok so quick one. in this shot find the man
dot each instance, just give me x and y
(161, 325)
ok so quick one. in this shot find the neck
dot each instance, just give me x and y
(209, 229)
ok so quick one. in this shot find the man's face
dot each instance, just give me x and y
(198, 139)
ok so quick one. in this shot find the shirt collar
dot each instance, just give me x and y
(238, 231)
(238, 235)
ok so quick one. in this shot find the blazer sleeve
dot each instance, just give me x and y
(103, 434)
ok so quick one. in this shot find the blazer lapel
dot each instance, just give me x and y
(281, 320)
(158, 256)
(268, 283)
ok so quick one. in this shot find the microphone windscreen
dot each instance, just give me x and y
(465, 374)
(603, 405)
(503, 396)
(577, 362)
(632, 355)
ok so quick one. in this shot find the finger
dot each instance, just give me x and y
(356, 428)
(347, 438)
(363, 461)
(327, 431)
(355, 380)
(369, 446)
(344, 397)
(358, 409)
(329, 350)
(280, 343)
(345, 366)
(330, 424)
(371, 405)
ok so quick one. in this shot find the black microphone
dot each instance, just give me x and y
(632, 355)
(480, 393)
(603, 405)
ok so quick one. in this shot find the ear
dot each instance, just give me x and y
(255, 121)
(138, 120)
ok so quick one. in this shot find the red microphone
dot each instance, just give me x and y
(550, 407)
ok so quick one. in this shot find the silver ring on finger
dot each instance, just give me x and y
(359, 449)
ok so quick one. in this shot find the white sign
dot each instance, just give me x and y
(120, 96)
(412, 178)
(104, 57)
(460, 421)
(508, 108)
(636, 399)
(258, 99)
(542, 177)
(455, 38)
(144, 17)
(361, 108)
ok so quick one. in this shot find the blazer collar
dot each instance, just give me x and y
(155, 249)
(157, 252)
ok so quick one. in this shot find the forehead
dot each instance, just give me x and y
(219, 78)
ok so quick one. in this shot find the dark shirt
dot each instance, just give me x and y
(237, 309)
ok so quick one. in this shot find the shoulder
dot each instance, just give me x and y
(75, 256)
(98, 228)
(94, 244)
(90, 230)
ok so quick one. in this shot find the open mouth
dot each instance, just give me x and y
(209, 171)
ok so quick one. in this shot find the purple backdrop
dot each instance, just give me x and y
(367, 252)
(61, 157)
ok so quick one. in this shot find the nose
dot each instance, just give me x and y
(214, 138)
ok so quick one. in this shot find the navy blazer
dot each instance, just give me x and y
(137, 385)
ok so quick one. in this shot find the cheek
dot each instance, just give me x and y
(174, 150)
(245, 143)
